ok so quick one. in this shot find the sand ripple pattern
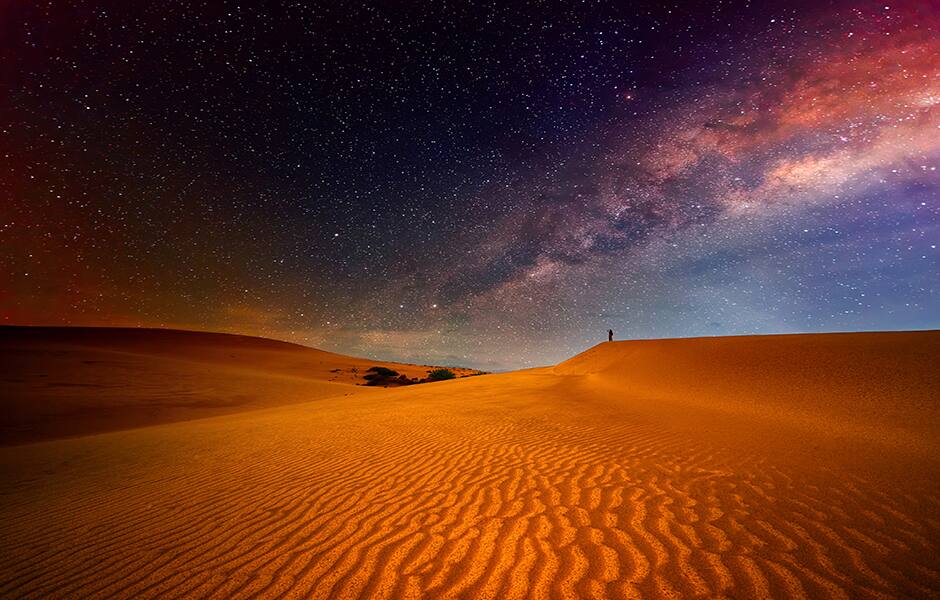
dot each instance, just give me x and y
(489, 495)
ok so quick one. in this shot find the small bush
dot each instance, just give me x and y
(382, 372)
(376, 376)
(441, 375)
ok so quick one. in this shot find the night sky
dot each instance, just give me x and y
(483, 184)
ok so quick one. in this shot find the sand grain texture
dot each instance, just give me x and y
(783, 466)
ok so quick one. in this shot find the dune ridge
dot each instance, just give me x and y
(880, 388)
(550, 483)
(70, 381)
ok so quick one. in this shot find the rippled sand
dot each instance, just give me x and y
(785, 466)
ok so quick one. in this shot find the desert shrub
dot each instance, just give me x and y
(384, 376)
(441, 375)
(382, 372)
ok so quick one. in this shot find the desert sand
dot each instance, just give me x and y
(70, 381)
(771, 466)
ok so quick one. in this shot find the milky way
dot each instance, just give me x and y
(482, 185)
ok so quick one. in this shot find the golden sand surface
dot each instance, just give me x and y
(60, 382)
(752, 467)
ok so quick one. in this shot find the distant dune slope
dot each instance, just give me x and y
(68, 381)
(631, 471)
(871, 384)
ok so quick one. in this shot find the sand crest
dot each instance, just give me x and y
(60, 382)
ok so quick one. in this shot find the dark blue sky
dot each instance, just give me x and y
(491, 185)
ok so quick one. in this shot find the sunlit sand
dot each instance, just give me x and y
(191, 465)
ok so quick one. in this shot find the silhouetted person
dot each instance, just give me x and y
(610, 335)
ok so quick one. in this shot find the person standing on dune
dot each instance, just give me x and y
(610, 335)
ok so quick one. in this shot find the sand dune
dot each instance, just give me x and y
(848, 393)
(727, 467)
(70, 381)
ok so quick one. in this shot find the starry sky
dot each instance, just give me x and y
(483, 184)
